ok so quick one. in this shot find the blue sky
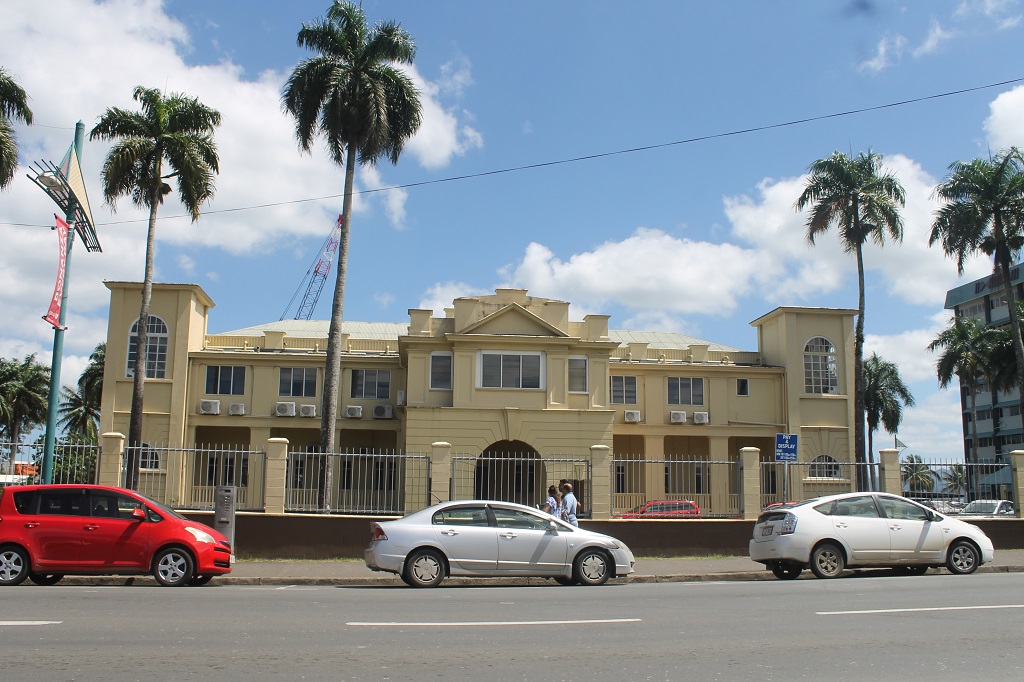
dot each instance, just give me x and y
(695, 234)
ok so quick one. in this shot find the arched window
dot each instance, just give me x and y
(149, 459)
(824, 466)
(821, 375)
(156, 348)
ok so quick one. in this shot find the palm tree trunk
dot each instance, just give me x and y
(1018, 343)
(858, 374)
(871, 460)
(332, 371)
(141, 352)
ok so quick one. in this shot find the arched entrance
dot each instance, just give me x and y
(511, 471)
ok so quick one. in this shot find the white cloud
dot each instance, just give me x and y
(442, 135)
(384, 299)
(1005, 124)
(936, 37)
(441, 295)
(890, 49)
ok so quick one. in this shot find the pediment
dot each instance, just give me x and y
(513, 320)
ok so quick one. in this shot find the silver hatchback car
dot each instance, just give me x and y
(487, 538)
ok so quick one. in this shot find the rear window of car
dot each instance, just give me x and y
(23, 501)
(461, 516)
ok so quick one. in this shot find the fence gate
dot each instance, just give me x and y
(521, 479)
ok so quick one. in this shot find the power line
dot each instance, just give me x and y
(588, 157)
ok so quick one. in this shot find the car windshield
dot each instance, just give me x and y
(980, 507)
(160, 507)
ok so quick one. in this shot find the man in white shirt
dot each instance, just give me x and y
(569, 503)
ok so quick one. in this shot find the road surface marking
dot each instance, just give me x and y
(491, 623)
(17, 623)
(932, 608)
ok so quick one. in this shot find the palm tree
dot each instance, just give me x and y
(24, 387)
(90, 384)
(917, 476)
(885, 395)
(967, 347)
(171, 137)
(954, 480)
(984, 211)
(13, 105)
(79, 415)
(352, 94)
(862, 202)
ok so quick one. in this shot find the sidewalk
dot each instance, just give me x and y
(355, 572)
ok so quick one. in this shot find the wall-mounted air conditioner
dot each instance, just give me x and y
(236, 409)
(677, 417)
(700, 417)
(354, 411)
(631, 416)
(383, 412)
(209, 407)
(285, 410)
(307, 410)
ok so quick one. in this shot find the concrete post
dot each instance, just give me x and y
(108, 468)
(276, 476)
(440, 473)
(1017, 480)
(600, 506)
(750, 483)
(889, 480)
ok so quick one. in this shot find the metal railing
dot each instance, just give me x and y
(520, 478)
(357, 483)
(795, 481)
(22, 463)
(951, 485)
(714, 486)
(187, 478)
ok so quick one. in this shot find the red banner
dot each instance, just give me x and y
(53, 315)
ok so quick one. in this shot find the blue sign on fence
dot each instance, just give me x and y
(785, 447)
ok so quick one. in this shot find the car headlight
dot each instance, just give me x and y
(201, 535)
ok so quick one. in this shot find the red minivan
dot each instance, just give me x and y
(49, 531)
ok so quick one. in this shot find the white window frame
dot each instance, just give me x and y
(542, 373)
(688, 399)
(586, 373)
(157, 340)
(625, 393)
(376, 393)
(451, 370)
(821, 367)
(291, 382)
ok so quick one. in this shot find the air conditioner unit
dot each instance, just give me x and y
(631, 416)
(236, 409)
(285, 410)
(700, 417)
(354, 411)
(677, 417)
(307, 410)
(383, 412)
(209, 407)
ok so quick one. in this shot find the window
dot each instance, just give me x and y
(371, 384)
(225, 380)
(862, 506)
(63, 502)
(623, 390)
(513, 518)
(821, 374)
(511, 370)
(297, 382)
(461, 516)
(578, 375)
(824, 466)
(685, 391)
(213, 468)
(902, 509)
(149, 458)
(743, 387)
(156, 348)
(441, 371)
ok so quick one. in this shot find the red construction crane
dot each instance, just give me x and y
(315, 277)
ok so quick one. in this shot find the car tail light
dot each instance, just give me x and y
(378, 534)
(788, 524)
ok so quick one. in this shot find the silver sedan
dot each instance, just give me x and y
(487, 538)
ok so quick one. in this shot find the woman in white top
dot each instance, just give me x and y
(553, 505)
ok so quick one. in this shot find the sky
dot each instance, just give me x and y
(638, 159)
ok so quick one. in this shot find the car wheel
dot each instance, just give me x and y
(424, 568)
(13, 566)
(562, 580)
(200, 580)
(784, 571)
(173, 567)
(827, 561)
(591, 567)
(963, 558)
(45, 578)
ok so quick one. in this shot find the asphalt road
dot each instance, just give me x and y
(881, 627)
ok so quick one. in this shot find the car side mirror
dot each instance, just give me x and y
(552, 526)
(138, 514)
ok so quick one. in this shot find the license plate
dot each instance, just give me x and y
(767, 530)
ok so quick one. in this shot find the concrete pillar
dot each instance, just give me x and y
(889, 471)
(276, 476)
(750, 483)
(108, 469)
(1017, 480)
(440, 473)
(600, 505)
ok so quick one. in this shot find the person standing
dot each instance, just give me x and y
(553, 505)
(570, 504)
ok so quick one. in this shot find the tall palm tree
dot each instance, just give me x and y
(984, 211)
(917, 476)
(365, 108)
(862, 201)
(885, 395)
(24, 387)
(171, 137)
(954, 480)
(13, 105)
(90, 384)
(79, 415)
(967, 346)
